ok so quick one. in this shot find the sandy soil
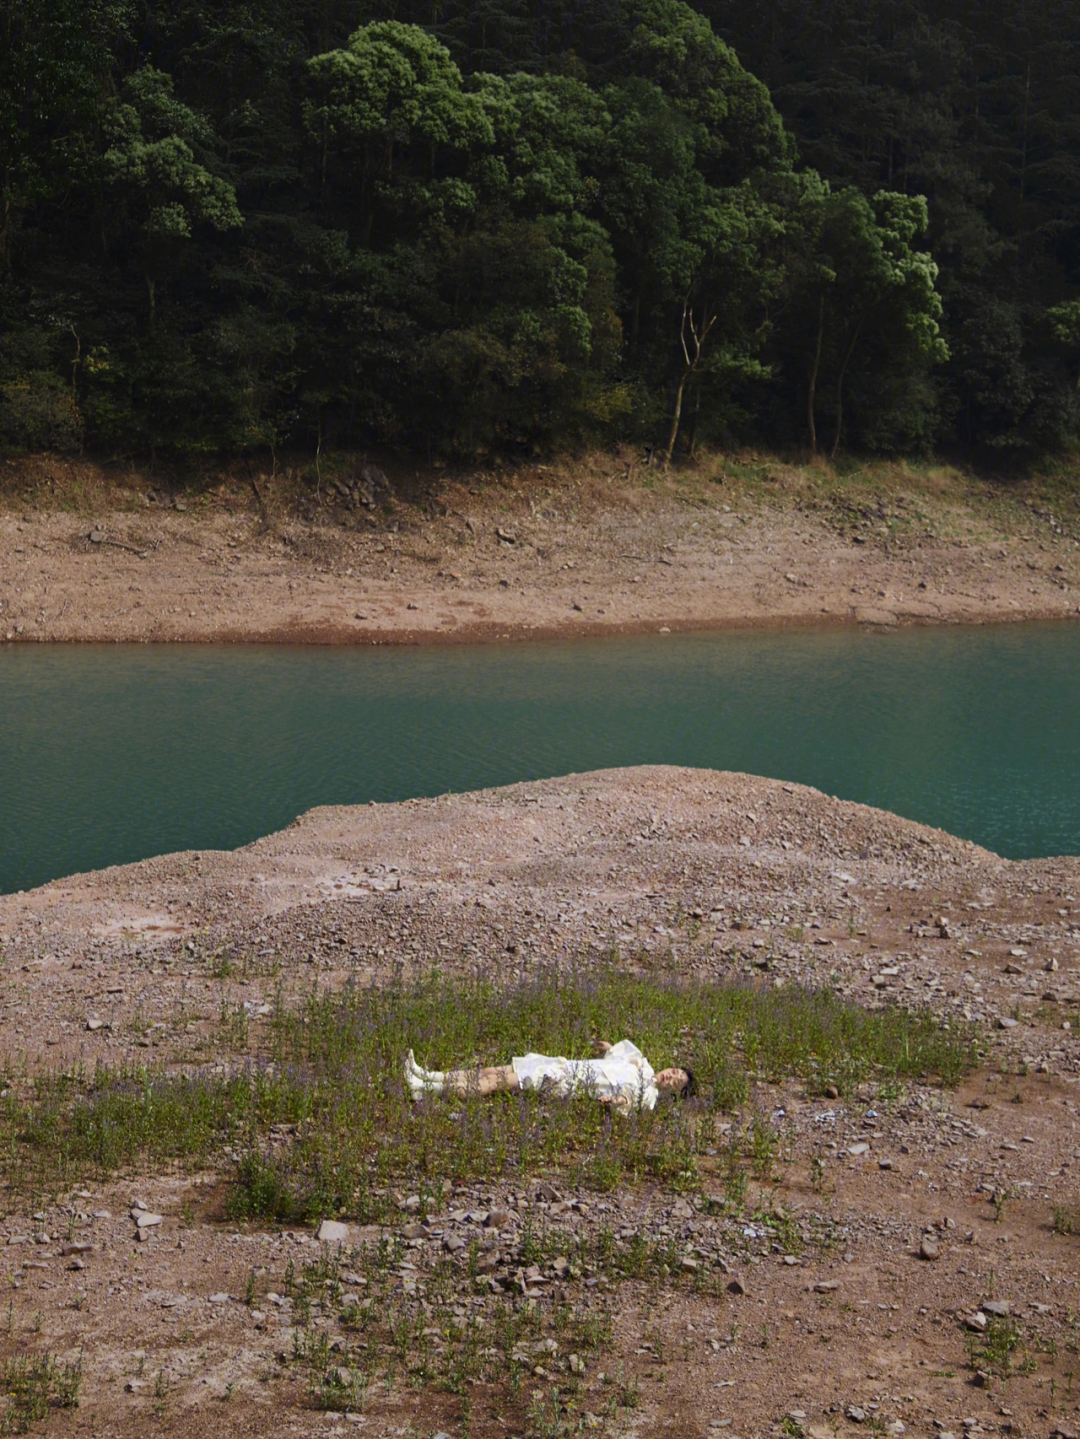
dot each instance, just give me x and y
(707, 873)
(605, 545)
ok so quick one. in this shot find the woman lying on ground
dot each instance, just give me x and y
(622, 1077)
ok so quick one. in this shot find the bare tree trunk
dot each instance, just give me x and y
(813, 379)
(698, 340)
(840, 391)
(673, 434)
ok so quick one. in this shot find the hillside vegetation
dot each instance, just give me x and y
(486, 227)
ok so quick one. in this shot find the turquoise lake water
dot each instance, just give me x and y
(113, 753)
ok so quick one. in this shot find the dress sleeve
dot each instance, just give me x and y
(626, 1050)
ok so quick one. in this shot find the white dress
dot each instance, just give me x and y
(624, 1076)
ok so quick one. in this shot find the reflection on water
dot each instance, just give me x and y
(111, 753)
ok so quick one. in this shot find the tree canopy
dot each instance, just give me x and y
(490, 225)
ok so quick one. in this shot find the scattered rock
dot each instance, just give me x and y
(929, 1249)
(144, 1219)
(736, 1286)
(827, 1286)
(332, 1231)
(999, 1308)
(1006, 1021)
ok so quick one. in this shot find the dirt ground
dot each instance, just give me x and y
(847, 1332)
(607, 544)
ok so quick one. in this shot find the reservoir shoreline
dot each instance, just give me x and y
(578, 551)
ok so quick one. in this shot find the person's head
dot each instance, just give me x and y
(677, 1081)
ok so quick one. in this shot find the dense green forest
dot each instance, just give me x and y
(467, 226)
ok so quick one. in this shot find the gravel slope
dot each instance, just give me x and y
(704, 872)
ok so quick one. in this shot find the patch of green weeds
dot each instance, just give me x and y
(994, 1349)
(1066, 1219)
(332, 1074)
(34, 1384)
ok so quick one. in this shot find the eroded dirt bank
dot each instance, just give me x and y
(605, 545)
(706, 873)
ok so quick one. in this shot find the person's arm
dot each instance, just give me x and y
(603, 1046)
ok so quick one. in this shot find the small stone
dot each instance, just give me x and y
(885, 1164)
(497, 1219)
(896, 1428)
(827, 1286)
(217, 1299)
(414, 1231)
(856, 1149)
(999, 1308)
(929, 1250)
(96, 537)
(831, 1092)
(453, 1243)
(332, 1231)
(577, 1364)
(144, 1219)
(736, 1286)
(76, 1264)
(93, 1024)
(688, 1265)
(792, 1259)
(976, 1322)
(134, 1385)
(855, 1414)
(1051, 965)
(1006, 1021)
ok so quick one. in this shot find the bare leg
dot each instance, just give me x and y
(480, 1081)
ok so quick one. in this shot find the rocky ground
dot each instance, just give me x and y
(887, 1253)
(606, 544)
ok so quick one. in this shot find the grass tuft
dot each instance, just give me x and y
(34, 1384)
